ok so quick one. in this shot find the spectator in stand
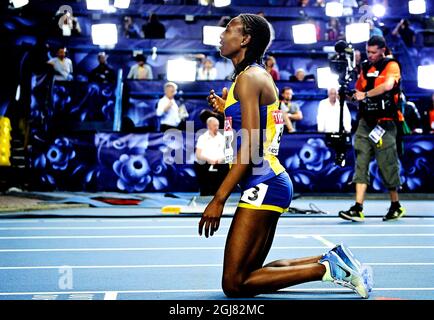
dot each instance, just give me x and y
(298, 76)
(206, 71)
(329, 113)
(154, 29)
(167, 108)
(334, 31)
(129, 29)
(301, 76)
(67, 23)
(140, 70)
(62, 66)
(319, 3)
(303, 3)
(270, 64)
(358, 58)
(374, 30)
(429, 116)
(291, 111)
(404, 31)
(103, 73)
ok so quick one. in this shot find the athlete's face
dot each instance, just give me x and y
(375, 54)
(231, 38)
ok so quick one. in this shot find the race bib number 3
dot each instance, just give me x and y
(273, 148)
(255, 195)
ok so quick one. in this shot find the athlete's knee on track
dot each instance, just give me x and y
(233, 286)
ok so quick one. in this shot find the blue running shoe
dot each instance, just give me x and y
(348, 257)
(338, 272)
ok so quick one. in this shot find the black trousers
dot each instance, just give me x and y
(210, 177)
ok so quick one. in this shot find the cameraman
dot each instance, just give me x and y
(377, 91)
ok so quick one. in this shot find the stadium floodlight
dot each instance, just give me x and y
(334, 9)
(326, 78)
(357, 32)
(19, 3)
(211, 35)
(304, 33)
(104, 34)
(221, 3)
(97, 4)
(181, 70)
(122, 4)
(425, 79)
(378, 10)
(417, 7)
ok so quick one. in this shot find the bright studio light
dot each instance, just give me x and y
(221, 3)
(122, 4)
(211, 35)
(417, 7)
(326, 79)
(357, 32)
(379, 10)
(180, 70)
(334, 9)
(104, 34)
(19, 3)
(97, 4)
(304, 33)
(425, 79)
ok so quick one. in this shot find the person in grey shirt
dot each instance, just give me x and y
(62, 66)
(291, 111)
(140, 70)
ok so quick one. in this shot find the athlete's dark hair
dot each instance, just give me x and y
(377, 41)
(259, 31)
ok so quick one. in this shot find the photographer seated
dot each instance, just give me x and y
(377, 91)
(329, 112)
(210, 167)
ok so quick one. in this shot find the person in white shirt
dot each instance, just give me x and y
(209, 166)
(328, 114)
(210, 145)
(62, 66)
(207, 71)
(167, 108)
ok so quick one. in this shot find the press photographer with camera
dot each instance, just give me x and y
(377, 92)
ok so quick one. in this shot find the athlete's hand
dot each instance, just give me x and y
(211, 217)
(216, 102)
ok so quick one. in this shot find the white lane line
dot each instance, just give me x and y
(170, 266)
(300, 290)
(221, 226)
(323, 240)
(181, 219)
(138, 249)
(162, 236)
(12, 250)
(110, 295)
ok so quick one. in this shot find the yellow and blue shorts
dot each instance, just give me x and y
(274, 194)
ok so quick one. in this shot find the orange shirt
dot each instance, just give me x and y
(391, 70)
